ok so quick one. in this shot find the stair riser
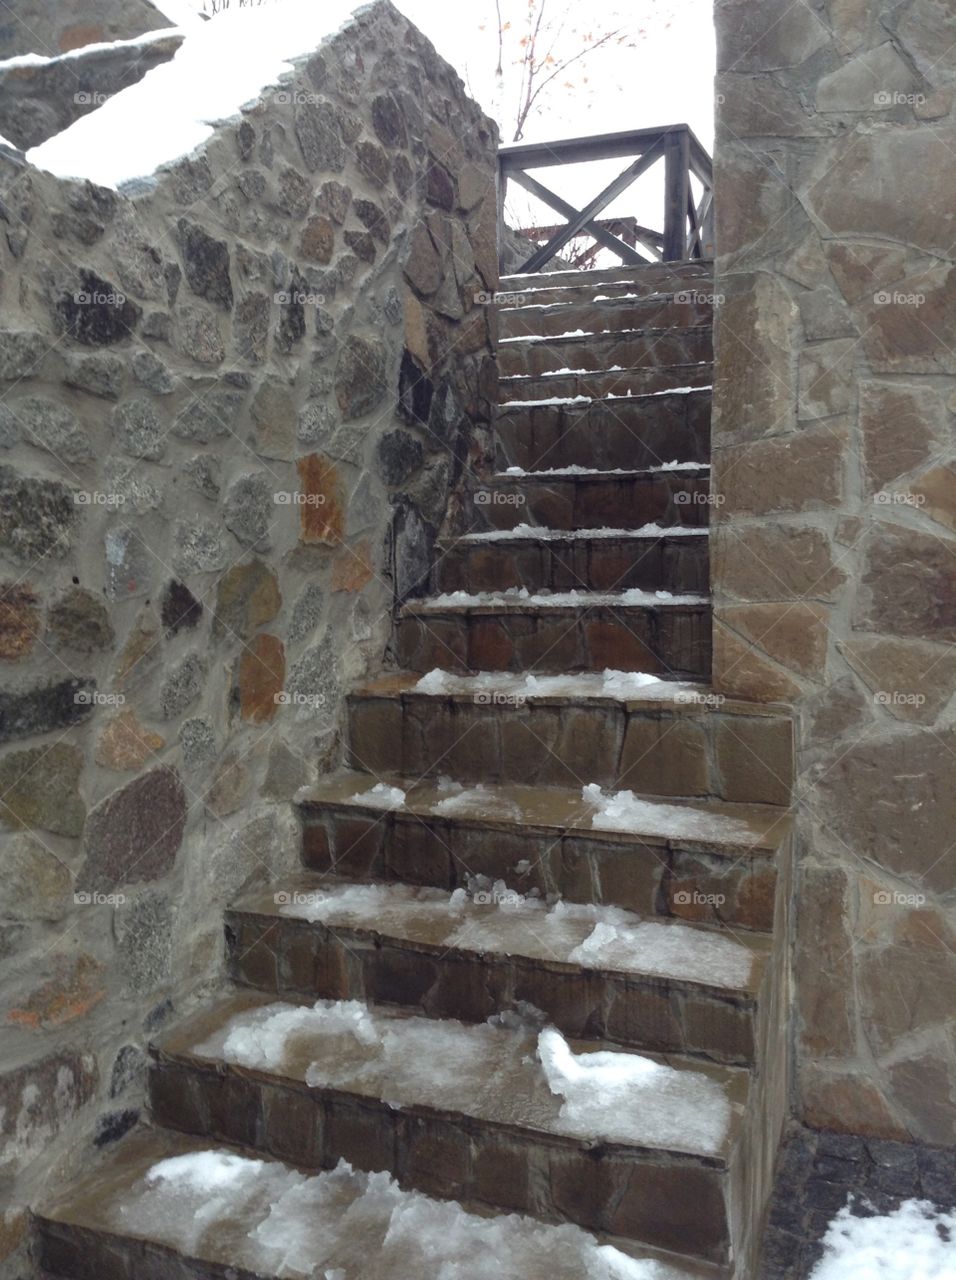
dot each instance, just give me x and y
(689, 752)
(676, 564)
(665, 1202)
(688, 310)
(296, 958)
(607, 435)
(580, 502)
(643, 281)
(651, 879)
(68, 1252)
(595, 386)
(670, 642)
(624, 351)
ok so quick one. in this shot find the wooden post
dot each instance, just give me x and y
(676, 188)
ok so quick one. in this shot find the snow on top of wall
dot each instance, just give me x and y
(137, 42)
(222, 65)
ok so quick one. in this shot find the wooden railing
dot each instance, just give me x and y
(688, 226)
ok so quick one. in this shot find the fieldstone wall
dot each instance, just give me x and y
(49, 28)
(835, 509)
(234, 403)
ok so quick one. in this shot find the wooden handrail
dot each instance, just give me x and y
(688, 228)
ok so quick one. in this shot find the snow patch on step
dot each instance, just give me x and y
(489, 686)
(917, 1241)
(349, 1225)
(508, 923)
(575, 469)
(540, 533)
(634, 597)
(624, 811)
(381, 796)
(507, 1069)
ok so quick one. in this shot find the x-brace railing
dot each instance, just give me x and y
(688, 225)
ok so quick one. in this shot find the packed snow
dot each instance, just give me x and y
(137, 42)
(499, 919)
(634, 597)
(915, 1242)
(540, 533)
(575, 469)
(381, 796)
(624, 811)
(508, 1070)
(610, 683)
(250, 49)
(475, 800)
(347, 1225)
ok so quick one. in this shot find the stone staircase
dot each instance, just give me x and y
(471, 888)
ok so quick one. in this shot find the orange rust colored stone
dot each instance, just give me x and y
(127, 744)
(19, 620)
(353, 569)
(321, 501)
(261, 677)
(71, 994)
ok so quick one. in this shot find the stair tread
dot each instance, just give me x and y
(527, 533)
(564, 935)
(610, 302)
(659, 693)
(325, 1226)
(555, 809)
(489, 1073)
(641, 398)
(584, 337)
(693, 469)
(697, 366)
(512, 601)
(702, 267)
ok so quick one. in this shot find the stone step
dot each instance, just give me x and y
(591, 353)
(630, 432)
(551, 634)
(589, 499)
(571, 388)
(672, 558)
(607, 315)
(126, 1219)
(659, 985)
(663, 739)
(694, 861)
(658, 277)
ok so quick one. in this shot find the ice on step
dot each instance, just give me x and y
(507, 1070)
(477, 801)
(541, 533)
(645, 1097)
(626, 685)
(381, 796)
(634, 597)
(624, 811)
(917, 1241)
(347, 1225)
(668, 950)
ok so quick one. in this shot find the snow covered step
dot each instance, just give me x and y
(592, 499)
(566, 631)
(655, 557)
(608, 314)
(654, 738)
(631, 432)
(164, 1204)
(703, 860)
(597, 972)
(559, 286)
(652, 347)
(652, 377)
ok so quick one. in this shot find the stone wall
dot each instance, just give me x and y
(233, 407)
(50, 27)
(835, 490)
